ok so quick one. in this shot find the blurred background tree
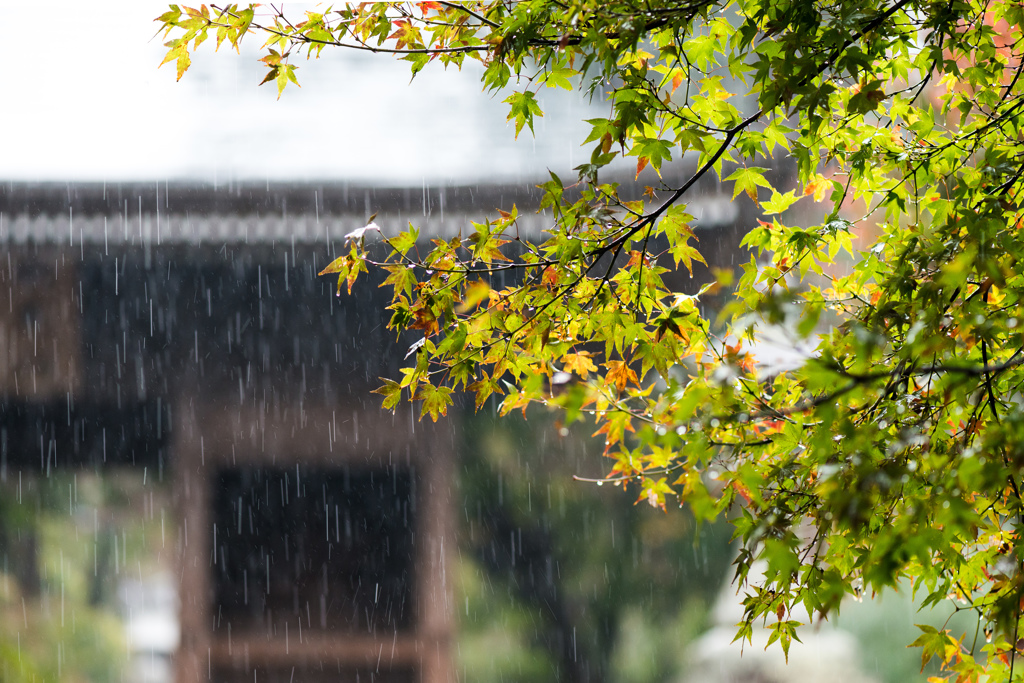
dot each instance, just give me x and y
(66, 540)
(561, 579)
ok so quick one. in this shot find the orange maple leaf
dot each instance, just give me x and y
(549, 278)
(636, 258)
(620, 374)
(424, 320)
(641, 164)
(742, 490)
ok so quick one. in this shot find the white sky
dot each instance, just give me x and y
(87, 102)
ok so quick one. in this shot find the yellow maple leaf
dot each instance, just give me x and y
(819, 186)
(579, 363)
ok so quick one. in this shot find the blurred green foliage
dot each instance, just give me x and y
(560, 579)
(65, 541)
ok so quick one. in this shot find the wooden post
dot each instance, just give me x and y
(434, 577)
(192, 503)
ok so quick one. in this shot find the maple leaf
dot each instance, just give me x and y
(549, 278)
(475, 293)
(435, 399)
(405, 35)
(641, 164)
(614, 428)
(178, 53)
(392, 393)
(654, 492)
(523, 106)
(402, 279)
(482, 388)
(424, 319)
(347, 266)
(620, 374)
(338, 265)
(748, 179)
(579, 363)
(742, 490)
(818, 187)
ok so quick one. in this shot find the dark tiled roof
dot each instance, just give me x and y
(159, 213)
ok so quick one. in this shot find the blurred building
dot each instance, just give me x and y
(185, 333)
(182, 330)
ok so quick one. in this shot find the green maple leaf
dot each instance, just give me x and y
(748, 179)
(523, 106)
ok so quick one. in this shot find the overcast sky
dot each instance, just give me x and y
(87, 102)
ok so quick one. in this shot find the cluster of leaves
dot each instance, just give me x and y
(896, 450)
